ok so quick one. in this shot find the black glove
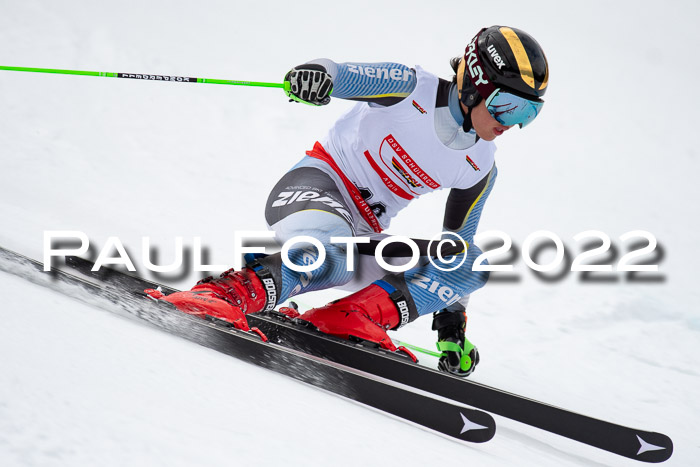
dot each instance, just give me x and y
(459, 356)
(309, 83)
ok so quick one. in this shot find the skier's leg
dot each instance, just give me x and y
(330, 262)
(305, 202)
(434, 286)
(308, 202)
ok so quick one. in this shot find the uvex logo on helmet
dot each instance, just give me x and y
(475, 70)
(496, 58)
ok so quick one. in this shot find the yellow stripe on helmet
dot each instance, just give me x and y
(460, 73)
(520, 56)
(546, 78)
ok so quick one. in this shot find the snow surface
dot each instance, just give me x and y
(612, 151)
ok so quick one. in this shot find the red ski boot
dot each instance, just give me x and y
(366, 314)
(229, 297)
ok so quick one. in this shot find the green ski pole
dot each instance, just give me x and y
(419, 349)
(146, 76)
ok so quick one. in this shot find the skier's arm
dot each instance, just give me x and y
(462, 214)
(464, 206)
(382, 83)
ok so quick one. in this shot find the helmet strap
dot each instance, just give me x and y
(467, 124)
(467, 95)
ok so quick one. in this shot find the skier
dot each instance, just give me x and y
(411, 133)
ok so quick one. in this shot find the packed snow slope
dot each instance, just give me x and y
(613, 151)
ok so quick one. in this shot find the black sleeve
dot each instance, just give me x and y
(463, 207)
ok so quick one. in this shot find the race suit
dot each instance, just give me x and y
(403, 139)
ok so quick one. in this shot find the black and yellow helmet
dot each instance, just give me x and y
(503, 58)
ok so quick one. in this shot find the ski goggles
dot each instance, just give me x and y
(509, 109)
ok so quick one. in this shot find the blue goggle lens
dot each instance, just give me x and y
(509, 109)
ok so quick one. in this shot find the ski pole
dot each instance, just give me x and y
(419, 349)
(177, 79)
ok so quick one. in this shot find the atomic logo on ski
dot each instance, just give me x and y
(469, 425)
(644, 446)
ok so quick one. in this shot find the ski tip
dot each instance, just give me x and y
(474, 426)
(653, 447)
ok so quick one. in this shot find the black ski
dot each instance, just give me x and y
(629, 442)
(441, 416)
